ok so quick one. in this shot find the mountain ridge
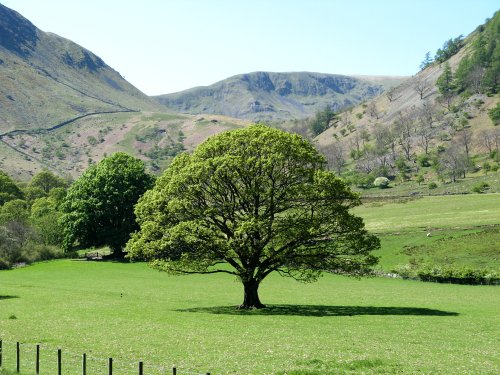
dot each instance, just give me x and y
(268, 96)
(47, 79)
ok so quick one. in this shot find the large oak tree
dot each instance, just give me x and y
(251, 202)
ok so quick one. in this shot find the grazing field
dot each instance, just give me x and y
(428, 213)
(458, 230)
(476, 248)
(338, 325)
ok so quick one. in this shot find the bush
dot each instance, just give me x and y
(381, 182)
(494, 114)
(432, 185)
(18, 244)
(424, 160)
(481, 187)
(448, 274)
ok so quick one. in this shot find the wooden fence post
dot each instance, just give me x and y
(174, 371)
(18, 359)
(37, 362)
(84, 364)
(110, 366)
(141, 368)
(59, 361)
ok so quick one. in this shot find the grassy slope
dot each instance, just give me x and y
(338, 325)
(427, 213)
(455, 224)
(68, 151)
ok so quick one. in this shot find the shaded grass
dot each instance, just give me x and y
(338, 325)
(320, 310)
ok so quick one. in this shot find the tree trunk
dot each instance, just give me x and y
(251, 295)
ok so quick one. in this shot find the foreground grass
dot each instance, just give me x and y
(338, 325)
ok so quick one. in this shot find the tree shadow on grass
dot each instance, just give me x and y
(320, 310)
(7, 297)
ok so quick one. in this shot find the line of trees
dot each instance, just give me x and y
(29, 218)
(247, 202)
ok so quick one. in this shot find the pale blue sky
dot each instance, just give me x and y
(164, 46)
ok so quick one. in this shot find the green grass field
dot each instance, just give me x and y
(464, 230)
(429, 213)
(338, 325)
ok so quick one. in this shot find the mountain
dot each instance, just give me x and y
(46, 80)
(264, 96)
(63, 108)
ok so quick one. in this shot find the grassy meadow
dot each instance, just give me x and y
(338, 325)
(464, 230)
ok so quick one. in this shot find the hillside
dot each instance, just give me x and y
(266, 96)
(46, 79)
(151, 136)
(63, 108)
(420, 128)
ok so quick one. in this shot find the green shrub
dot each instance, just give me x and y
(424, 160)
(432, 185)
(480, 188)
(381, 182)
(448, 274)
(494, 114)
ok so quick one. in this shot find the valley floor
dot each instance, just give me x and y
(338, 325)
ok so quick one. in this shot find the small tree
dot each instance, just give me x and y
(420, 178)
(427, 61)
(8, 189)
(99, 207)
(322, 121)
(46, 181)
(421, 86)
(259, 200)
(446, 85)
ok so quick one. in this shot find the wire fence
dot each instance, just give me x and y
(35, 358)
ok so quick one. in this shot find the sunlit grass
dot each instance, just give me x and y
(338, 325)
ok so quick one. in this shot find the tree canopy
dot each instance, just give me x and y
(99, 207)
(47, 181)
(259, 200)
(8, 189)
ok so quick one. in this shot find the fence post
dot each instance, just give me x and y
(59, 361)
(110, 366)
(1, 343)
(141, 368)
(84, 364)
(18, 359)
(37, 362)
(174, 371)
